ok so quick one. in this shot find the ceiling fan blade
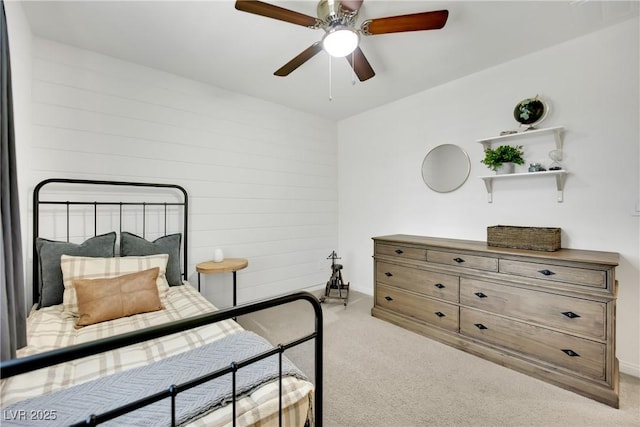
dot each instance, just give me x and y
(401, 23)
(360, 65)
(275, 12)
(351, 5)
(303, 57)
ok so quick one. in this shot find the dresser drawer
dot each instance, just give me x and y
(401, 251)
(555, 273)
(437, 285)
(437, 313)
(569, 314)
(463, 260)
(576, 354)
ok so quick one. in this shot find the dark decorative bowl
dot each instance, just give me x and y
(530, 111)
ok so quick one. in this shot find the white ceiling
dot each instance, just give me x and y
(212, 42)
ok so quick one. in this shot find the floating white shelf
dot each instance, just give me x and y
(558, 133)
(559, 174)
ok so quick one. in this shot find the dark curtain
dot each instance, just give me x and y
(13, 309)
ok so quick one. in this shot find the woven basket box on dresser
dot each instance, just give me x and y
(517, 237)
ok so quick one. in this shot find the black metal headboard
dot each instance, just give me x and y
(37, 203)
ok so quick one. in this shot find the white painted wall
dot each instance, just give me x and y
(262, 178)
(592, 86)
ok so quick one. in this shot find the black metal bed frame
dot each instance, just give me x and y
(37, 361)
(37, 203)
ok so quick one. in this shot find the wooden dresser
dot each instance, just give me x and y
(550, 315)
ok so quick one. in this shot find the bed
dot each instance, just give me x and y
(126, 340)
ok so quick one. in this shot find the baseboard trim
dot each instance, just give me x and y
(629, 369)
(315, 288)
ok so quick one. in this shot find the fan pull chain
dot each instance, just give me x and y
(353, 69)
(330, 96)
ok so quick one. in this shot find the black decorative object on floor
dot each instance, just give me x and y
(335, 282)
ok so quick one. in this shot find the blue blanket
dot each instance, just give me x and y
(76, 403)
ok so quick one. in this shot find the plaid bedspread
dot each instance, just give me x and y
(76, 403)
(48, 330)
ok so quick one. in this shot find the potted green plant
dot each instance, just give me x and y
(503, 158)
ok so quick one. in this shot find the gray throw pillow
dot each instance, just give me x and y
(132, 245)
(49, 253)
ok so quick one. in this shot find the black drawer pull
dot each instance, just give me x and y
(439, 285)
(388, 274)
(547, 272)
(571, 314)
(388, 298)
(458, 260)
(571, 353)
(399, 251)
(481, 326)
(480, 295)
(439, 314)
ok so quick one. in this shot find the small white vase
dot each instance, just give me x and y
(218, 255)
(507, 167)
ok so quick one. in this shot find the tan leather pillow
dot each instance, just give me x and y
(77, 267)
(107, 299)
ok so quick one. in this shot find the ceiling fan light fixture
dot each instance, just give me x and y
(340, 41)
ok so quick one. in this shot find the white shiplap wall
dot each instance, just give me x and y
(262, 178)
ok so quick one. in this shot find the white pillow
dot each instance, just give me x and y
(76, 267)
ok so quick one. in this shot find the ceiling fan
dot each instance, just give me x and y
(341, 39)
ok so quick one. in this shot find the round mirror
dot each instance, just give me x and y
(445, 168)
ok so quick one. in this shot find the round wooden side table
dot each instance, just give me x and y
(228, 265)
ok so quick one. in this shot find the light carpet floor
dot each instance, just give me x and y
(378, 374)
